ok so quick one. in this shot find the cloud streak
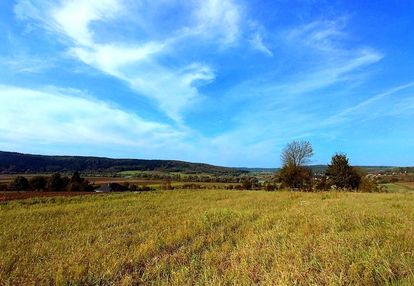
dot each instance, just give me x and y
(69, 116)
(173, 89)
(257, 43)
(349, 113)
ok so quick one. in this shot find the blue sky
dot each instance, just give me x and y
(223, 82)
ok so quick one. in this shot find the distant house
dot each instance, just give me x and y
(111, 187)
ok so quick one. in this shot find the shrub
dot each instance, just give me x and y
(341, 174)
(370, 186)
(137, 188)
(322, 184)
(250, 183)
(270, 187)
(247, 184)
(296, 177)
(19, 183)
(238, 187)
(38, 183)
(56, 183)
(145, 189)
(166, 185)
(191, 186)
(78, 184)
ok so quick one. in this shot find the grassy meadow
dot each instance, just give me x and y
(209, 237)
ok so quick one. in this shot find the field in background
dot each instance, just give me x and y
(409, 185)
(209, 237)
(96, 181)
(400, 187)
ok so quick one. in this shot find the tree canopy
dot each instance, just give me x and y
(297, 153)
(293, 173)
(341, 174)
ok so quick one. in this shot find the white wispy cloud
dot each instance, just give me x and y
(342, 68)
(405, 107)
(351, 113)
(173, 89)
(327, 59)
(257, 43)
(137, 61)
(26, 64)
(323, 35)
(73, 18)
(54, 116)
(218, 18)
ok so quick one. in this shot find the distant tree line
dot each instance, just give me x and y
(58, 183)
(11, 162)
(53, 183)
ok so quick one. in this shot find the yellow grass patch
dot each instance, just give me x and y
(209, 238)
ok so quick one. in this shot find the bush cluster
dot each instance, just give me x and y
(339, 175)
(53, 183)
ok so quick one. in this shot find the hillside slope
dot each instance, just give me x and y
(11, 162)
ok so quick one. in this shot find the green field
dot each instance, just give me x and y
(212, 237)
(400, 187)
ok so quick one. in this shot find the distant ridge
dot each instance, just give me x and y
(13, 162)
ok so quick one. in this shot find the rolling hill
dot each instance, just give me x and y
(12, 162)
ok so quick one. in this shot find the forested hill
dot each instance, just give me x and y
(11, 162)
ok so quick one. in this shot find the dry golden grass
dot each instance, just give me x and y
(209, 238)
(409, 185)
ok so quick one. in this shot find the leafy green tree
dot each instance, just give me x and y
(19, 183)
(38, 183)
(341, 174)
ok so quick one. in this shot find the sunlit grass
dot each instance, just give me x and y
(399, 187)
(209, 238)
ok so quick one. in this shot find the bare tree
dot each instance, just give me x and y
(293, 173)
(297, 153)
